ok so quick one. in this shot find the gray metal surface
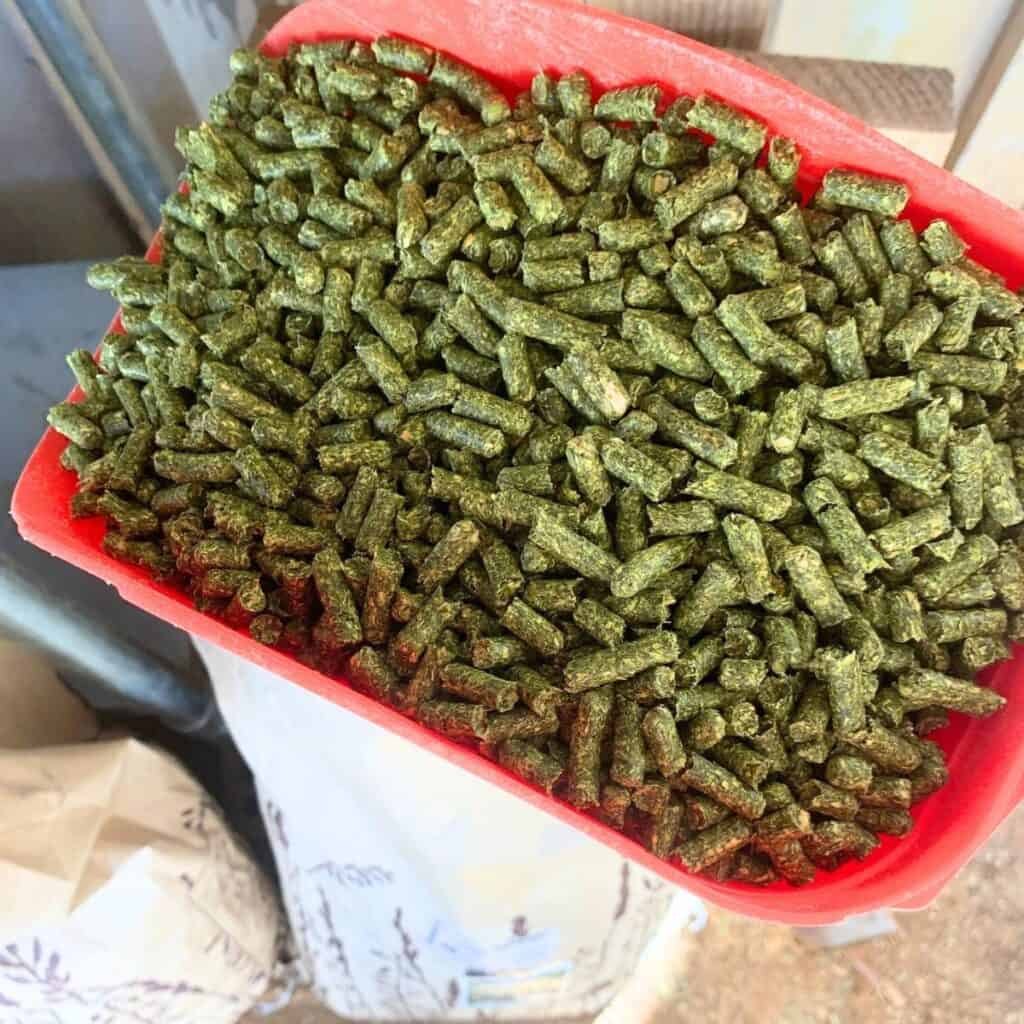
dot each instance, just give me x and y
(55, 204)
(81, 71)
(83, 644)
(45, 311)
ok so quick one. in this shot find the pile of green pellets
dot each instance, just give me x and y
(566, 428)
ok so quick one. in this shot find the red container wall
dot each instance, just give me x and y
(510, 40)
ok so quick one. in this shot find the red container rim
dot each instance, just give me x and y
(510, 42)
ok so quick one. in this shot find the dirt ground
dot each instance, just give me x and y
(961, 961)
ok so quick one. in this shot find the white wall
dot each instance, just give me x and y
(956, 34)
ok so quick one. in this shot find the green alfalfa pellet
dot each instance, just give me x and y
(698, 189)
(947, 626)
(742, 675)
(864, 192)
(706, 729)
(530, 763)
(465, 364)
(553, 597)
(645, 567)
(913, 330)
(839, 263)
(722, 216)
(455, 719)
(562, 165)
(533, 628)
(931, 774)
(791, 234)
(762, 345)
(403, 55)
(569, 547)
(753, 254)
(712, 407)
(466, 433)
(844, 349)
(708, 260)
(660, 150)
(663, 340)
(508, 416)
(922, 688)
(369, 670)
(502, 568)
(902, 462)
(849, 772)
(520, 723)
(714, 843)
(634, 468)
(188, 467)
(589, 727)
(727, 125)
(719, 586)
(382, 585)
(629, 756)
(650, 686)
(703, 440)
(600, 622)
(828, 801)
(663, 741)
(377, 525)
(463, 315)
(681, 518)
(789, 414)
(832, 839)
(887, 791)
(587, 671)
(815, 585)
(490, 652)
(470, 86)
(533, 478)
(536, 691)
(733, 492)
(840, 670)
(941, 242)
(339, 626)
(479, 687)
(841, 527)
(861, 236)
(746, 545)
(458, 544)
(600, 384)
(633, 103)
(427, 622)
(597, 298)
(584, 458)
(723, 786)
(891, 751)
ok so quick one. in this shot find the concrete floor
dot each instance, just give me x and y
(961, 960)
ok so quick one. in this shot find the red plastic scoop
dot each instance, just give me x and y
(510, 41)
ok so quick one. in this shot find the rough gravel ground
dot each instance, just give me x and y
(961, 961)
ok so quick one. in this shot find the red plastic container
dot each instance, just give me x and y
(511, 40)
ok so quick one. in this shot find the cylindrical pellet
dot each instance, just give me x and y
(589, 727)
